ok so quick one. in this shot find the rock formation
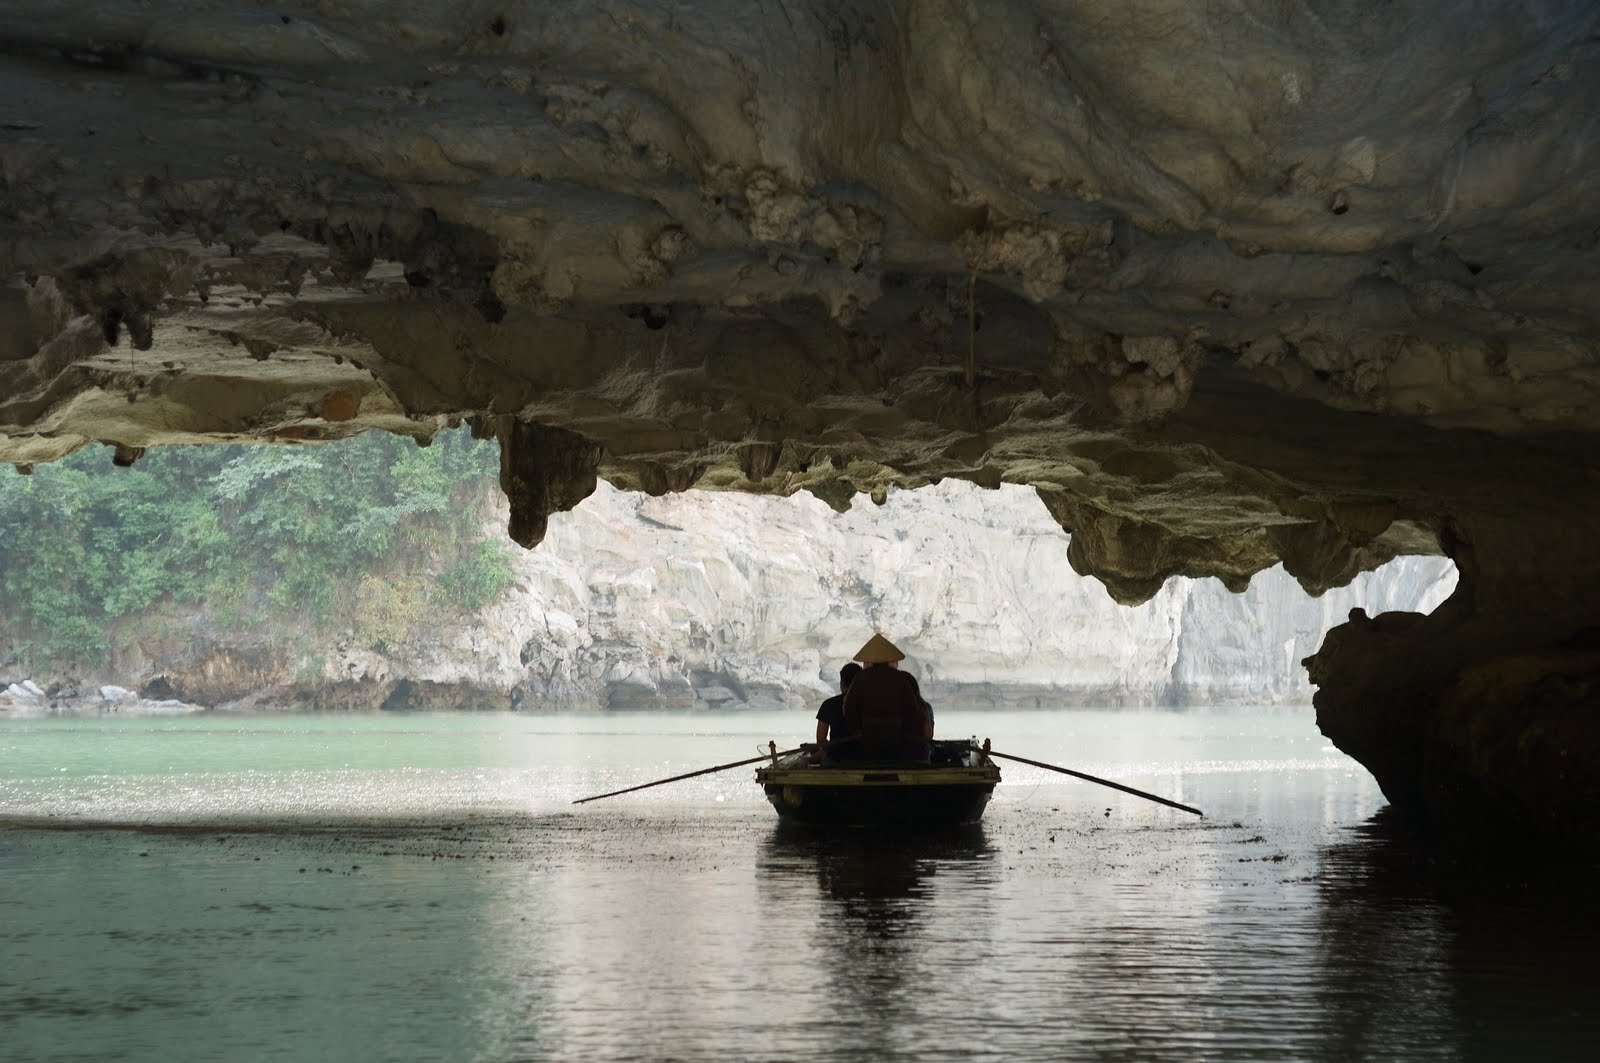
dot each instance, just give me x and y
(694, 600)
(1228, 285)
(27, 698)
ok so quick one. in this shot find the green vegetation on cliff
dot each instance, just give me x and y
(374, 532)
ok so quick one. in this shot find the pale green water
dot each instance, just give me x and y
(419, 887)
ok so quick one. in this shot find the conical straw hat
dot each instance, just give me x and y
(879, 650)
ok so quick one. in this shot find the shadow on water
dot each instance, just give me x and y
(876, 878)
(882, 914)
(1491, 948)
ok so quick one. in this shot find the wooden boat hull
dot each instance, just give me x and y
(901, 796)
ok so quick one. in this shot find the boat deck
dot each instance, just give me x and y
(953, 788)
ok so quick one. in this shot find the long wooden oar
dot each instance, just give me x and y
(690, 775)
(1092, 778)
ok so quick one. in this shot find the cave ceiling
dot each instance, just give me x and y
(1228, 284)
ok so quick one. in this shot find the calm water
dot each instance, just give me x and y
(419, 887)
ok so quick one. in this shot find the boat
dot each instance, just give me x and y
(950, 789)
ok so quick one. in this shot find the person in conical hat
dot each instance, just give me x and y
(883, 706)
(880, 650)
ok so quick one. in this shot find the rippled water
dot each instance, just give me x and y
(420, 887)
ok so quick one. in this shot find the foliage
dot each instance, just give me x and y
(372, 532)
(473, 583)
(388, 612)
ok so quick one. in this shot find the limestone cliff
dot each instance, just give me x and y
(694, 599)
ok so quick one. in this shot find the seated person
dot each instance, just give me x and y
(830, 717)
(884, 707)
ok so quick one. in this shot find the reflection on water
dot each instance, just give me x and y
(443, 901)
(877, 877)
(887, 907)
(1488, 954)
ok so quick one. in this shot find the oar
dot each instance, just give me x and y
(1091, 778)
(690, 775)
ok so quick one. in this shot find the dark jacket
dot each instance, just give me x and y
(885, 709)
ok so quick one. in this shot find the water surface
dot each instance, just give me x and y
(420, 887)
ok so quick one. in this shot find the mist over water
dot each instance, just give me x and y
(420, 887)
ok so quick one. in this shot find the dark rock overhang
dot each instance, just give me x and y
(1311, 287)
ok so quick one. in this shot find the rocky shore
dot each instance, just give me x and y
(27, 698)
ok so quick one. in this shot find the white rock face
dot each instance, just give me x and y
(27, 698)
(700, 599)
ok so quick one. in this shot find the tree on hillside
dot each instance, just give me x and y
(369, 531)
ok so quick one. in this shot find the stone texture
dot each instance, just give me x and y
(1229, 284)
(28, 699)
(694, 600)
